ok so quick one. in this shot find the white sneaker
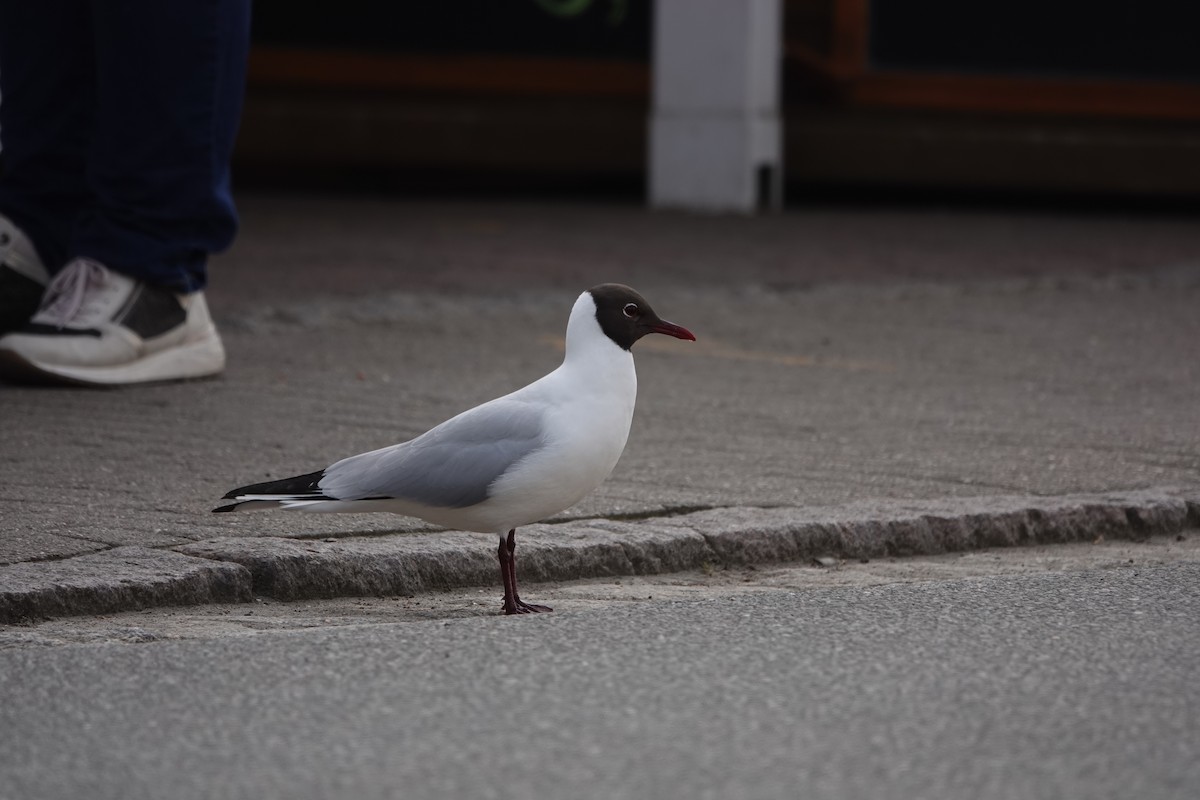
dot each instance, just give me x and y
(23, 277)
(101, 328)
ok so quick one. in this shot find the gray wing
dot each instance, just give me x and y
(450, 466)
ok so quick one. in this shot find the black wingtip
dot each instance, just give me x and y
(230, 507)
(299, 484)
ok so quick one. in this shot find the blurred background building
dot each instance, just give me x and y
(1019, 96)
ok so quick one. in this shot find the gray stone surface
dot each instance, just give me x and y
(891, 528)
(19, 544)
(847, 357)
(411, 563)
(391, 565)
(406, 564)
(117, 580)
(709, 582)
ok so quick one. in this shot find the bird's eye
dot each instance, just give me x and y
(630, 310)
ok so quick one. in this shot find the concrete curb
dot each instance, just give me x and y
(233, 570)
(897, 528)
(407, 564)
(121, 579)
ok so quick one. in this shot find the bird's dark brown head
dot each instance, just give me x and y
(625, 316)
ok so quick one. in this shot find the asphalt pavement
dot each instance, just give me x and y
(866, 381)
(1062, 685)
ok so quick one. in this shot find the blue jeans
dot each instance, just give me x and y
(117, 121)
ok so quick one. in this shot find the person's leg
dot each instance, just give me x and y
(47, 102)
(170, 82)
(128, 307)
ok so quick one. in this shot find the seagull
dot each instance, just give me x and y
(509, 462)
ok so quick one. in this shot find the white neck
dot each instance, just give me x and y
(586, 342)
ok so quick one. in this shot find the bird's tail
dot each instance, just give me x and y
(294, 492)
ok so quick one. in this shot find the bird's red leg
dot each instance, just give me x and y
(506, 575)
(508, 569)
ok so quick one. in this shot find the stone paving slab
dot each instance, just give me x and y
(881, 529)
(406, 564)
(237, 569)
(19, 545)
(121, 579)
(847, 357)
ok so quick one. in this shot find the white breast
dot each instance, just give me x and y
(588, 403)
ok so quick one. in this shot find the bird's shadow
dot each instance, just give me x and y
(360, 533)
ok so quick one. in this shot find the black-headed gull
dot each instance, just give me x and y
(511, 461)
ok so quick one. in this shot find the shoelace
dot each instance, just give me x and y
(66, 293)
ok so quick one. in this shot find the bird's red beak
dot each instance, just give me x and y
(671, 329)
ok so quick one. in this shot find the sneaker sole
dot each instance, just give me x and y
(199, 359)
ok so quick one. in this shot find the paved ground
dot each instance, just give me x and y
(712, 581)
(1068, 684)
(846, 356)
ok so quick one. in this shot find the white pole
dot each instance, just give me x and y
(714, 128)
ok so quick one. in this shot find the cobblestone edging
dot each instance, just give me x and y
(234, 570)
